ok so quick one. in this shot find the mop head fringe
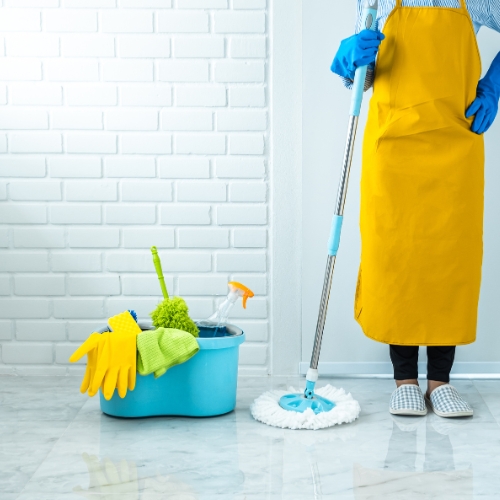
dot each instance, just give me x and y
(266, 409)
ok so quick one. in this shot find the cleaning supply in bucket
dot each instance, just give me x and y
(220, 316)
(160, 349)
(92, 347)
(171, 312)
(328, 406)
(112, 357)
(125, 323)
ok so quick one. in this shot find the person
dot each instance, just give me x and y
(422, 186)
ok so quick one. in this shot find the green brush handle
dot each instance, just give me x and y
(159, 272)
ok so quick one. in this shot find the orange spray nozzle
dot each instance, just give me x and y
(242, 290)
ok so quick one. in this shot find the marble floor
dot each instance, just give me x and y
(56, 444)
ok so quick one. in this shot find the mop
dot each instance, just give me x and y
(327, 406)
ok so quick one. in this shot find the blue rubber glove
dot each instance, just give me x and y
(355, 51)
(485, 106)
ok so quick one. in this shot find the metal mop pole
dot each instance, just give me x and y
(369, 20)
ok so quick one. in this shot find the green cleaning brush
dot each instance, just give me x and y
(159, 271)
(171, 312)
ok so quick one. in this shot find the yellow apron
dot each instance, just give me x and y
(422, 186)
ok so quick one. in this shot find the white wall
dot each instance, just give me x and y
(286, 188)
(326, 104)
(128, 123)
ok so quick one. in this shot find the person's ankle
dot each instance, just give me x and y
(433, 385)
(410, 381)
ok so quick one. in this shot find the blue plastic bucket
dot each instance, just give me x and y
(204, 386)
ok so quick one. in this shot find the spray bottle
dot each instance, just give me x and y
(220, 316)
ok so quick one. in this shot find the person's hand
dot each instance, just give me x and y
(356, 51)
(485, 106)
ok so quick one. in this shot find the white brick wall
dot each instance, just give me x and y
(127, 124)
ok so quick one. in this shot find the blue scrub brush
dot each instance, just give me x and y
(309, 410)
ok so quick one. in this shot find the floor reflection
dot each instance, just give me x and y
(174, 455)
(232, 457)
(120, 480)
(436, 477)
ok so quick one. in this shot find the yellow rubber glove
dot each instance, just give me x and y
(92, 347)
(111, 357)
(116, 366)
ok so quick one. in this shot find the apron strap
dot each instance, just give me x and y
(399, 3)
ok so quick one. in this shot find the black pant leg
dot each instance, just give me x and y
(440, 362)
(405, 361)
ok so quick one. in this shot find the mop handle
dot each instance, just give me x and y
(369, 21)
(159, 272)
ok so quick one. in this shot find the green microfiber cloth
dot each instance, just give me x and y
(159, 350)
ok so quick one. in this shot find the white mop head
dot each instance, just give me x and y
(266, 409)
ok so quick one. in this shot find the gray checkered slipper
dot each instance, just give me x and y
(408, 400)
(445, 401)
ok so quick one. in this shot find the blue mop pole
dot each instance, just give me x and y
(369, 21)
